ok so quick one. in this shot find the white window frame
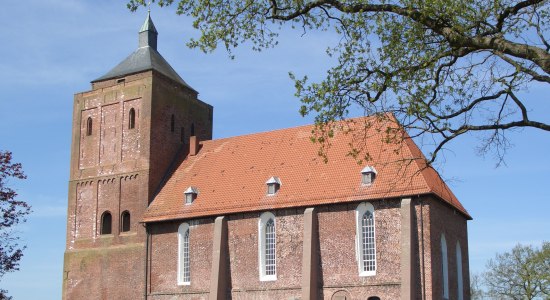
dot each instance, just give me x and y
(189, 198)
(271, 188)
(460, 283)
(359, 212)
(182, 263)
(266, 216)
(368, 175)
(367, 178)
(190, 195)
(444, 267)
(273, 185)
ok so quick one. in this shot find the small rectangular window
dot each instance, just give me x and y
(367, 178)
(125, 221)
(189, 198)
(89, 126)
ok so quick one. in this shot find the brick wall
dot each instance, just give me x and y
(164, 259)
(131, 143)
(88, 144)
(337, 256)
(119, 168)
(107, 150)
(423, 257)
(243, 251)
(95, 273)
(166, 146)
(446, 220)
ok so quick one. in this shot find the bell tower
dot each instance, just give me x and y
(129, 131)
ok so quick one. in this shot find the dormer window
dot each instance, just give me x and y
(190, 194)
(273, 185)
(368, 175)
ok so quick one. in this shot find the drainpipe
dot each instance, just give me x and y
(146, 264)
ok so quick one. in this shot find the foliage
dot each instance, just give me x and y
(12, 212)
(523, 273)
(443, 68)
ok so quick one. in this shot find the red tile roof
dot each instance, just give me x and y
(230, 174)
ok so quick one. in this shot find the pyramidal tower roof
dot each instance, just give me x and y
(145, 58)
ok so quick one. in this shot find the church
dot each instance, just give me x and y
(157, 209)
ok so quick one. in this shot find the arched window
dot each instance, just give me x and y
(106, 223)
(270, 247)
(172, 124)
(365, 239)
(444, 267)
(373, 298)
(132, 118)
(184, 268)
(267, 247)
(89, 126)
(192, 129)
(182, 137)
(341, 295)
(460, 285)
(125, 221)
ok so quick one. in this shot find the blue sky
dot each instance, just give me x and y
(52, 49)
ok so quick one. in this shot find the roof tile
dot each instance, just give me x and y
(231, 173)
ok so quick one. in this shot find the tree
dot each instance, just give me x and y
(543, 264)
(522, 273)
(12, 212)
(443, 68)
(476, 291)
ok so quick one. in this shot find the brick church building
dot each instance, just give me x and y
(159, 210)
